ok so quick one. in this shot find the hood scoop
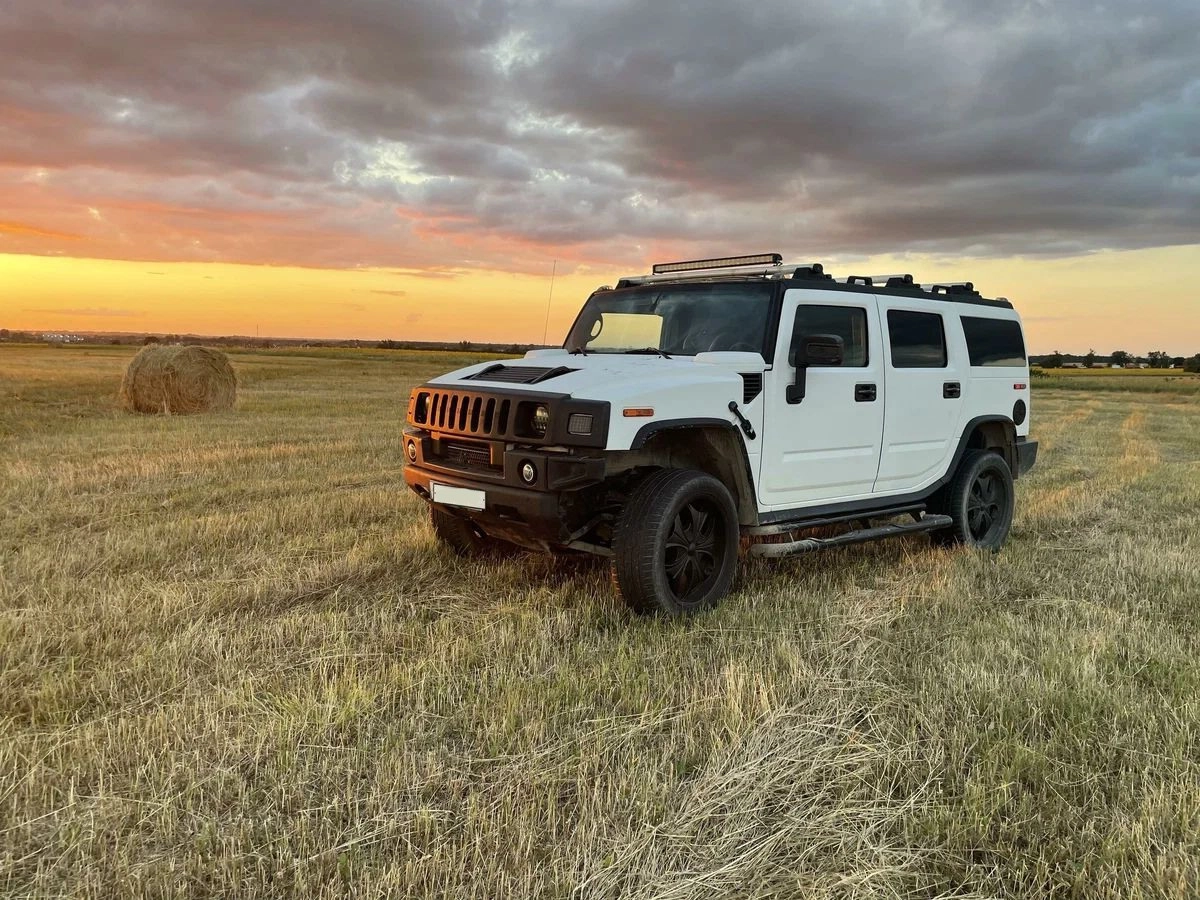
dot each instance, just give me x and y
(519, 374)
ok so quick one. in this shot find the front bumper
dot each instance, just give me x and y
(560, 502)
(1026, 455)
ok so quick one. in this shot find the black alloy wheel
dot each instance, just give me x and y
(981, 500)
(690, 553)
(675, 546)
(984, 503)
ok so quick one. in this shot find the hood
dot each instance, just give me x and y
(603, 376)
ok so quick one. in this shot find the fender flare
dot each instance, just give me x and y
(747, 504)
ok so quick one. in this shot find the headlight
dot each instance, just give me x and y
(541, 419)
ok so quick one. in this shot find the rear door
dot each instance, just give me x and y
(926, 377)
(826, 447)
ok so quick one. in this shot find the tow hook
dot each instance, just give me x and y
(746, 426)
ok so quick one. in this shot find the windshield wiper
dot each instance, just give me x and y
(649, 350)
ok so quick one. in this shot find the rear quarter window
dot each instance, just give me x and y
(994, 342)
(917, 339)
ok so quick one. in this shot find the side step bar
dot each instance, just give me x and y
(807, 545)
(797, 524)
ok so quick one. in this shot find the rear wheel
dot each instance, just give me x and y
(675, 547)
(980, 500)
(464, 537)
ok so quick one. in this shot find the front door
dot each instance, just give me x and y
(825, 448)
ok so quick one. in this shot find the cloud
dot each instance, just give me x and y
(505, 132)
(101, 311)
(390, 293)
(22, 230)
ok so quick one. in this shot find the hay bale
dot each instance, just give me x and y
(178, 381)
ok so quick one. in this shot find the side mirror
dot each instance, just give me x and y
(821, 350)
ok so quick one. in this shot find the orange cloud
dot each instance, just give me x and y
(22, 230)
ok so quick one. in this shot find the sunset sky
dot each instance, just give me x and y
(412, 169)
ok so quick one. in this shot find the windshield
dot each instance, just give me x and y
(675, 319)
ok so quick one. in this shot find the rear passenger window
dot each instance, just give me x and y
(847, 322)
(918, 339)
(994, 342)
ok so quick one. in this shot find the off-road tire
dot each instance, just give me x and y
(465, 538)
(676, 544)
(980, 499)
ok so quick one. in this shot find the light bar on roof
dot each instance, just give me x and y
(727, 262)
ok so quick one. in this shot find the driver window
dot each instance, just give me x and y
(847, 322)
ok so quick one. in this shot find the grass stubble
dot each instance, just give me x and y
(234, 662)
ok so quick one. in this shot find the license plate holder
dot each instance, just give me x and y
(449, 495)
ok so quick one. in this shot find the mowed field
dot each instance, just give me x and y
(234, 662)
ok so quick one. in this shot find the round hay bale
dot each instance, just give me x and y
(178, 381)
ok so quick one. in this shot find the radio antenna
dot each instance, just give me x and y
(546, 330)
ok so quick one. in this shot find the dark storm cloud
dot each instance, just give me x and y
(423, 132)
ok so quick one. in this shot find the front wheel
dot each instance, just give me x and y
(675, 547)
(980, 500)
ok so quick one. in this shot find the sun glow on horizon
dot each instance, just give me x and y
(1136, 300)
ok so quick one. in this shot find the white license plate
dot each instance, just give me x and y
(456, 496)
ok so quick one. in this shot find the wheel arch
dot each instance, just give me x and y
(995, 433)
(713, 446)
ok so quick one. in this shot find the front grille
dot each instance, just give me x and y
(751, 385)
(468, 454)
(494, 418)
(464, 413)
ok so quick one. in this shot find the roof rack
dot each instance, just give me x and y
(812, 272)
(955, 288)
(770, 266)
(891, 281)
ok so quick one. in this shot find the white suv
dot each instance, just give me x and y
(733, 402)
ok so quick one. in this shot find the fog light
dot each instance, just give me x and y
(412, 451)
(579, 423)
(528, 472)
(541, 419)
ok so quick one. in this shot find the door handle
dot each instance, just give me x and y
(951, 390)
(864, 393)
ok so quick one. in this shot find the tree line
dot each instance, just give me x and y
(1155, 359)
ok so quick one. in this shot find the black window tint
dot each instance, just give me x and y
(918, 340)
(847, 322)
(994, 342)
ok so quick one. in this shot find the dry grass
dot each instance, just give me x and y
(234, 662)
